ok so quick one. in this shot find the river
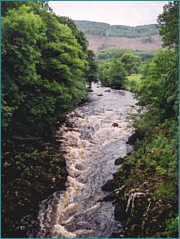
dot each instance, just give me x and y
(93, 138)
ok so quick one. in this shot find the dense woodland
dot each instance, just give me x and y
(149, 177)
(46, 67)
(106, 54)
(104, 29)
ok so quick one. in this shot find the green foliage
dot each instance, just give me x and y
(159, 90)
(152, 170)
(158, 157)
(6, 112)
(125, 31)
(135, 77)
(167, 155)
(120, 53)
(131, 85)
(95, 28)
(168, 23)
(130, 62)
(102, 74)
(134, 81)
(79, 35)
(103, 29)
(43, 69)
(20, 33)
(157, 118)
(107, 53)
(117, 52)
(91, 73)
(148, 171)
(172, 227)
(145, 55)
(32, 169)
(112, 74)
(7, 5)
(117, 74)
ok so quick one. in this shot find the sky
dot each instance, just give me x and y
(128, 13)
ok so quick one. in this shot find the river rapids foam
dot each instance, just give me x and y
(90, 144)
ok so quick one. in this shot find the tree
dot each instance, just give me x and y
(63, 62)
(79, 35)
(113, 74)
(43, 70)
(159, 97)
(7, 5)
(120, 53)
(103, 73)
(117, 74)
(130, 62)
(20, 32)
(159, 90)
(91, 73)
(169, 25)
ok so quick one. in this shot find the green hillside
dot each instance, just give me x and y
(104, 29)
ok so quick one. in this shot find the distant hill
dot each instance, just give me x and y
(105, 36)
(104, 29)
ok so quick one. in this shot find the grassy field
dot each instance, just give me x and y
(136, 77)
(133, 80)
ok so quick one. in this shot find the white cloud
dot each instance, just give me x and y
(130, 13)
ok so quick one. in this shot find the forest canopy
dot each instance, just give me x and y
(104, 29)
(44, 67)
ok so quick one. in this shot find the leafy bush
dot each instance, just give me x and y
(172, 227)
(43, 70)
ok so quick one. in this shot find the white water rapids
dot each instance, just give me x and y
(90, 146)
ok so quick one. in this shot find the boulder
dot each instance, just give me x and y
(133, 138)
(109, 186)
(115, 125)
(118, 161)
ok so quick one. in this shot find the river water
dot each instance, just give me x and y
(90, 144)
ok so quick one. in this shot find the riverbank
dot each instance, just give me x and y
(143, 190)
(32, 169)
(144, 194)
